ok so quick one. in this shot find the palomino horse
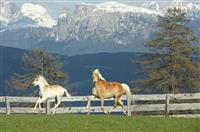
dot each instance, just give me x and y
(49, 91)
(103, 90)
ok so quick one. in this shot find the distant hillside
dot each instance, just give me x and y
(10, 62)
(114, 67)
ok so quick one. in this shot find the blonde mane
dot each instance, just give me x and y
(42, 79)
(99, 74)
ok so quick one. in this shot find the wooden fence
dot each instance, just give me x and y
(164, 103)
(171, 102)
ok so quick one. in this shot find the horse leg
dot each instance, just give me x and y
(122, 105)
(90, 98)
(36, 105)
(102, 105)
(56, 105)
(40, 101)
(115, 105)
(40, 108)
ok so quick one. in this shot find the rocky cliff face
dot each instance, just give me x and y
(7, 11)
(109, 21)
(90, 28)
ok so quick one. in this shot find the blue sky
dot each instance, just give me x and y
(54, 7)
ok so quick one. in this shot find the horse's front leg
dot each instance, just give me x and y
(36, 104)
(40, 101)
(89, 99)
(102, 105)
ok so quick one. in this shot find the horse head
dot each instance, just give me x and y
(94, 76)
(97, 75)
(38, 80)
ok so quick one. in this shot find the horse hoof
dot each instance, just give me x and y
(34, 112)
(106, 112)
(53, 112)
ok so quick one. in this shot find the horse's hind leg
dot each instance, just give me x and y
(40, 108)
(56, 105)
(114, 106)
(122, 105)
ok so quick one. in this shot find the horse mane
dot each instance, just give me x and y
(99, 74)
(44, 79)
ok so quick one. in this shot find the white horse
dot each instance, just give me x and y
(49, 91)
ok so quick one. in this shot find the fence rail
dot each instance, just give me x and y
(165, 103)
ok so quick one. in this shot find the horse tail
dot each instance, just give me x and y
(127, 89)
(66, 93)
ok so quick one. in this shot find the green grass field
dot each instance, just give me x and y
(94, 123)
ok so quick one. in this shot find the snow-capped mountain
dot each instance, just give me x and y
(7, 11)
(153, 6)
(91, 28)
(192, 9)
(107, 21)
(107, 27)
(33, 15)
(28, 25)
(123, 8)
(193, 13)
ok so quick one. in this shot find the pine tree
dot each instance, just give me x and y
(171, 68)
(38, 62)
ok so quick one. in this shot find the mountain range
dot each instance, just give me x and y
(89, 28)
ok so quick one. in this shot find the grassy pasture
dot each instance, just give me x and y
(95, 123)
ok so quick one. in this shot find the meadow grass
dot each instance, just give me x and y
(95, 123)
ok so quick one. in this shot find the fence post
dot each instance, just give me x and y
(128, 98)
(167, 105)
(48, 107)
(89, 105)
(7, 105)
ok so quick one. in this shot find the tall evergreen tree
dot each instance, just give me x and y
(38, 62)
(171, 68)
